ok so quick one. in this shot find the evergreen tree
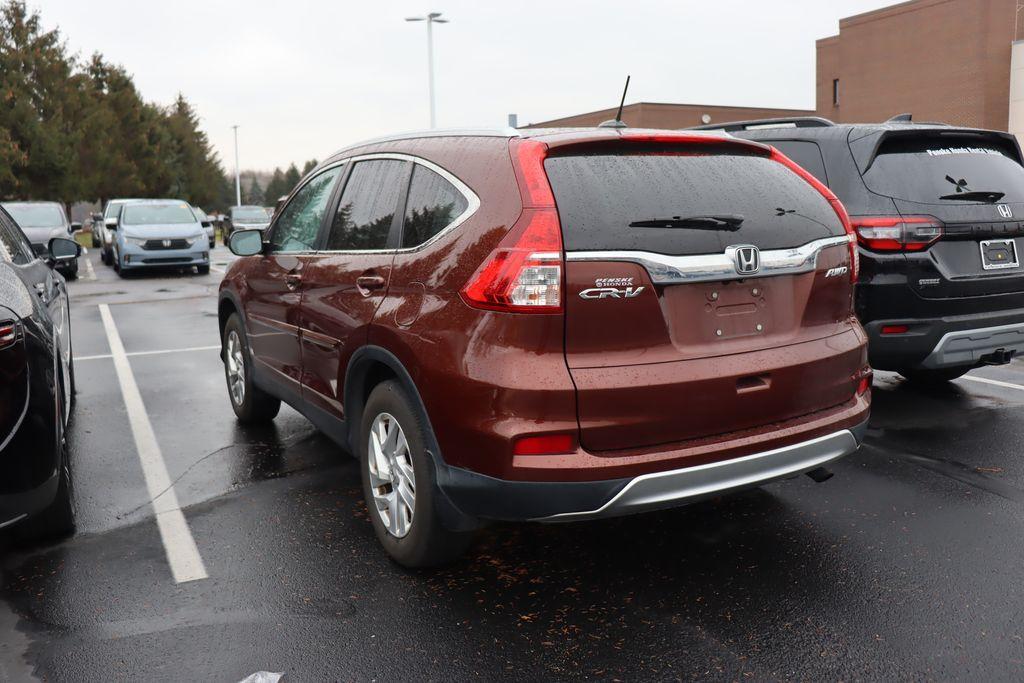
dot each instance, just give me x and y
(309, 166)
(254, 195)
(291, 178)
(276, 187)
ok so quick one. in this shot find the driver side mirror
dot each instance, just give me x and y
(246, 242)
(76, 226)
(110, 223)
(97, 217)
(62, 250)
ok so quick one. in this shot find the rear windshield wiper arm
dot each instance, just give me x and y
(711, 221)
(979, 196)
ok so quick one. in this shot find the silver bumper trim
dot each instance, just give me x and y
(668, 489)
(966, 347)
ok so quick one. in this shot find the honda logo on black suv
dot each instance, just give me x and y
(1005, 211)
(747, 259)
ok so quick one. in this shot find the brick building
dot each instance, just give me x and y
(956, 61)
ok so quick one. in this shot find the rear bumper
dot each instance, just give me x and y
(954, 341)
(479, 496)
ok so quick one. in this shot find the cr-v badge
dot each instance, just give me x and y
(605, 289)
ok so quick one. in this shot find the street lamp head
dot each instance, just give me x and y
(434, 15)
(440, 21)
(415, 18)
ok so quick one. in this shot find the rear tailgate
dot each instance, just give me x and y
(665, 340)
(946, 175)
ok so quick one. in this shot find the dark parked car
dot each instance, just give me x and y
(939, 216)
(37, 388)
(244, 217)
(679, 326)
(41, 222)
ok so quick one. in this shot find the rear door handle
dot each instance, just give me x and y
(368, 283)
(293, 280)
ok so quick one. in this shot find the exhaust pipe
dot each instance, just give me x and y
(820, 474)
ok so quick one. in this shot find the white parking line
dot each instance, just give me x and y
(90, 274)
(182, 553)
(994, 382)
(217, 269)
(150, 353)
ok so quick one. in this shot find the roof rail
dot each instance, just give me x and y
(784, 122)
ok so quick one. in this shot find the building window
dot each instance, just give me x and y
(835, 92)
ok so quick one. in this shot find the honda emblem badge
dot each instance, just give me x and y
(1004, 210)
(167, 243)
(747, 259)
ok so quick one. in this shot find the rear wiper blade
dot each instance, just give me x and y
(716, 221)
(972, 196)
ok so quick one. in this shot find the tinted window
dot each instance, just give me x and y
(368, 204)
(927, 169)
(599, 196)
(14, 248)
(433, 205)
(299, 224)
(806, 154)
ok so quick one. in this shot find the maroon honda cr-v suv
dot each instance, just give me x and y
(552, 325)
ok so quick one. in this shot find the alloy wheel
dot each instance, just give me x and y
(392, 479)
(235, 363)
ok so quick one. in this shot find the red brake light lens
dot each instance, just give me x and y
(833, 201)
(524, 273)
(897, 233)
(8, 333)
(550, 444)
(895, 329)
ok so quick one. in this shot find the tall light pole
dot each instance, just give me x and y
(238, 177)
(431, 19)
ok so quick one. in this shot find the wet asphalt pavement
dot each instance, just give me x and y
(907, 564)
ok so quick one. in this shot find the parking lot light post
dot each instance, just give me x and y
(431, 19)
(238, 178)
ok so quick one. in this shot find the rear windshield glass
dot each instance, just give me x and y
(944, 170)
(620, 201)
(36, 215)
(157, 214)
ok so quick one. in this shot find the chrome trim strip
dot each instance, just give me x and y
(667, 270)
(667, 489)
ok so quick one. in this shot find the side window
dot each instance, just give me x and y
(806, 154)
(299, 223)
(14, 248)
(367, 206)
(432, 206)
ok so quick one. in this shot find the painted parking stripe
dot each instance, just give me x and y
(150, 353)
(90, 274)
(182, 553)
(994, 382)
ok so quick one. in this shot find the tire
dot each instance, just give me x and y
(413, 540)
(935, 377)
(95, 242)
(72, 272)
(251, 404)
(105, 258)
(203, 270)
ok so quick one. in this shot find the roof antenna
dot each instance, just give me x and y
(901, 118)
(617, 121)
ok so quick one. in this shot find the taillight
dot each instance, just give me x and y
(8, 333)
(524, 272)
(897, 233)
(895, 329)
(833, 201)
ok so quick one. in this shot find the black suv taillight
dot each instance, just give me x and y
(8, 333)
(897, 233)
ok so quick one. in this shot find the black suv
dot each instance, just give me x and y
(939, 217)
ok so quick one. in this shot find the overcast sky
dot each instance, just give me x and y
(304, 78)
